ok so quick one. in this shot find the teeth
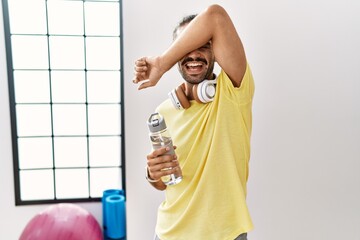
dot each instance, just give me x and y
(194, 64)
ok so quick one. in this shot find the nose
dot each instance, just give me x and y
(194, 54)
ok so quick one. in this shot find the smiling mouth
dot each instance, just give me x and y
(194, 65)
(194, 68)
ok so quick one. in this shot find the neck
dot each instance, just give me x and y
(213, 76)
(188, 91)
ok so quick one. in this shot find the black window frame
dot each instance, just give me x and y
(13, 117)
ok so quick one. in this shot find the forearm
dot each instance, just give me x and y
(198, 32)
(212, 24)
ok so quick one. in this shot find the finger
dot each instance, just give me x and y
(164, 165)
(157, 152)
(142, 68)
(159, 171)
(145, 85)
(157, 174)
(136, 79)
(140, 61)
(159, 156)
(177, 170)
(139, 76)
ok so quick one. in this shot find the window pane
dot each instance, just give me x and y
(104, 178)
(70, 151)
(65, 17)
(69, 119)
(23, 20)
(67, 52)
(36, 184)
(32, 86)
(102, 18)
(104, 119)
(66, 97)
(104, 151)
(103, 86)
(71, 183)
(30, 52)
(35, 153)
(33, 120)
(68, 86)
(103, 53)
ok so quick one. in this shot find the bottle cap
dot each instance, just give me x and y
(156, 122)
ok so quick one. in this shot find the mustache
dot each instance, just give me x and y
(190, 59)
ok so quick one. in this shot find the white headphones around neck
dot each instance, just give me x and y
(203, 92)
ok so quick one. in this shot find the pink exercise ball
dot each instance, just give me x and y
(64, 221)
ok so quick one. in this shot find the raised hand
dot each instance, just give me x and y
(147, 72)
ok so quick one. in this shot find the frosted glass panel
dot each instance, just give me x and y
(65, 97)
(103, 86)
(67, 52)
(33, 120)
(104, 119)
(104, 178)
(65, 17)
(23, 20)
(69, 119)
(102, 18)
(70, 152)
(30, 52)
(35, 153)
(32, 86)
(36, 184)
(104, 151)
(71, 183)
(68, 86)
(103, 53)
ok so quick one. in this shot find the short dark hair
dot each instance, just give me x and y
(184, 21)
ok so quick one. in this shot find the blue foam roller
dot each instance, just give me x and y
(115, 216)
(107, 193)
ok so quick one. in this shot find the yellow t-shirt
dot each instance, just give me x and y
(213, 149)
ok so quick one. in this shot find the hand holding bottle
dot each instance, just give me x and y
(164, 158)
(160, 164)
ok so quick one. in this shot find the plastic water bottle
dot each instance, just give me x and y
(160, 137)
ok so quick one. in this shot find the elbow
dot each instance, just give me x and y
(215, 10)
(217, 14)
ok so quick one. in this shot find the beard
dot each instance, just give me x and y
(196, 78)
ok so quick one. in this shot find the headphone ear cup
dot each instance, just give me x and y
(204, 92)
(195, 93)
(178, 97)
(180, 93)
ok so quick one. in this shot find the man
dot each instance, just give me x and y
(212, 139)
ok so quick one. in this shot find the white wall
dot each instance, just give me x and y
(305, 56)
